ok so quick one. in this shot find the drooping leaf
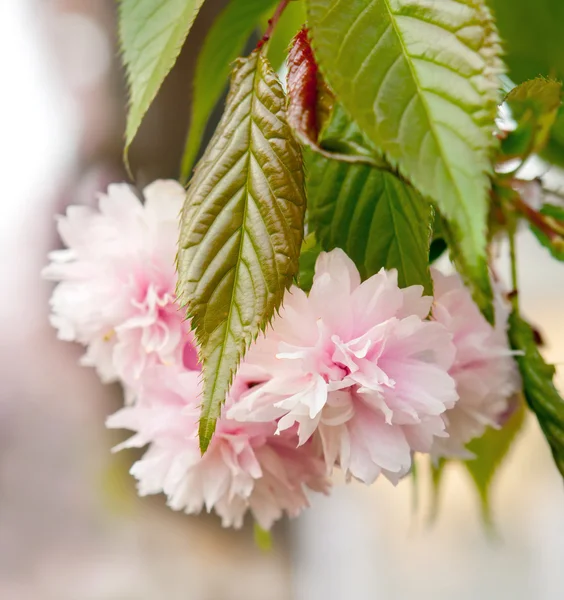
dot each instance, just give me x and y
(291, 21)
(152, 33)
(310, 104)
(554, 215)
(490, 451)
(421, 80)
(534, 105)
(241, 229)
(224, 43)
(372, 214)
(540, 392)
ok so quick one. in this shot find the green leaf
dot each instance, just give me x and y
(422, 81)
(378, 219)
(241, 229)
(152, 33)
(540, 392)
(224, 43)
(554, 216)
(311, 249)
(491, 450)
(291, 21)
(534, 105)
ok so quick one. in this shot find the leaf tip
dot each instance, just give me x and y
(205, 433)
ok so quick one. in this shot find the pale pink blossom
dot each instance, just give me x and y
(484, 369)
(117, 280)
(357, 368)
(246, 467)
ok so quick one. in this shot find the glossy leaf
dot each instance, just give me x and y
(540, 392)
(224, 43)
(421, 80)
(490, 451)
(152, 33)
(372, 214)
(241, 229)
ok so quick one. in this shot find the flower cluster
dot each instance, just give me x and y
(355, 375)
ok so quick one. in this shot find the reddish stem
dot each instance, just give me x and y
(272, 23)
(540, 221)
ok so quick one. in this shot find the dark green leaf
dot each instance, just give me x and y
(311, 249)
(540, 392)
(241, 229)
(532, 35)
(421, 80)
(224, 43)
(491, 450)
(152, 33)
(378, 219)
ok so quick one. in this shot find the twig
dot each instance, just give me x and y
(272, 23)
(514, 294)
(549, 226)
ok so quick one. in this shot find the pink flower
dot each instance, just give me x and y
(246, 466)
(485, 373)
(356, 367)
(117, 280)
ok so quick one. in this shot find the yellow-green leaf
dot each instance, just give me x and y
(152, 33)
(241, 230)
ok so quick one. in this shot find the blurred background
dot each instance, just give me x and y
(71, 526)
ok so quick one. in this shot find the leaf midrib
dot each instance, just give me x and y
(421, 95)
(227, 329)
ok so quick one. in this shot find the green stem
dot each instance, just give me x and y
(514, 276)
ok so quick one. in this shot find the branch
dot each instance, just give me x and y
(547, 225)
(272, 23)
